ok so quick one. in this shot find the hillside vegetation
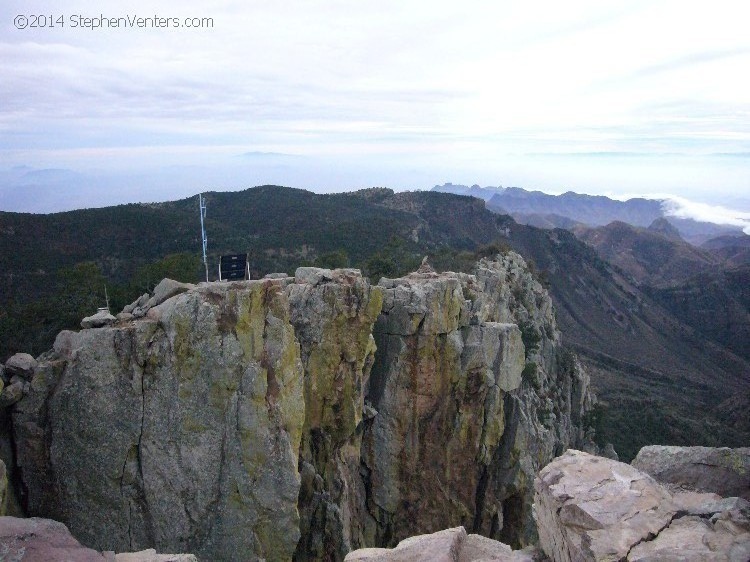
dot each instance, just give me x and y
(684, 388)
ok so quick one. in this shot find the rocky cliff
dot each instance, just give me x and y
(303, 417)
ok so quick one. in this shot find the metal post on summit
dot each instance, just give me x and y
(202, 205)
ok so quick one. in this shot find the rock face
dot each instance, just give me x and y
(469, 405)
(721, 471)
(303, 416)
(44, 540)
(180, 431)
(332, 313)
(3, 489)
(593, 508)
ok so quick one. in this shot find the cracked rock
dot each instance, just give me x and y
(593, 508)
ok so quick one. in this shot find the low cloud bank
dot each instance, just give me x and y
(685, 209)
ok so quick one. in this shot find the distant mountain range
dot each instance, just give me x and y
(688, 385)
(564, 211)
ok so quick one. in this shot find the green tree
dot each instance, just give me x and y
(184, 267)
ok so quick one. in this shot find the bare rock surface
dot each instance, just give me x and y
(43, 540)
(166, 289)
(98, 320)
(21, 364)
(449, 545)
(725, 538)
(460, 432)
(591, 508)
(303, 417)
(333, 312)
(720, 470)
(179, 433)
(150, 555)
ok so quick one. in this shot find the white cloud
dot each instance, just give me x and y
(470, 84)
(686, 209)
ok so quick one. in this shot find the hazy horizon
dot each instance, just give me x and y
(123, 104)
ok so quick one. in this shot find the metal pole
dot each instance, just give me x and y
(202, 205)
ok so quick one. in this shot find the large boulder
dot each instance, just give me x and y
(450, 545)
(166, 289)
(21, 364)
(590, 508)
(721, 471)
(99, 320)
(44, 540)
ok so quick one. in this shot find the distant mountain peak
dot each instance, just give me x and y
(475, 190)
(664, 227)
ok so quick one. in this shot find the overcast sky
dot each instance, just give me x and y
(632, 97)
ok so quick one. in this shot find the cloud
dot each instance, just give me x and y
(685, 209)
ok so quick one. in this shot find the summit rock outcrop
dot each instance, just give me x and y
(473, 395)
(304, 417)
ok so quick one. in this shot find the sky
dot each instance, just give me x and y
(616, 98)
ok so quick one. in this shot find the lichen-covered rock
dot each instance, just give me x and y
(473, 395)
(180, 433)
(333, 313)
(21, 364)
(11, 394)
(721, 470)
(256, 419)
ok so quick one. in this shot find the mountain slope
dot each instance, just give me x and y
(593, 210)
(648, 255)
(642, 358)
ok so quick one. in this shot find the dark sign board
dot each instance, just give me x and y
(233, 267)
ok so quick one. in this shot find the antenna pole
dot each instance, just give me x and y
(202, 205)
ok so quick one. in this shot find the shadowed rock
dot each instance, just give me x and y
(721, 470)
